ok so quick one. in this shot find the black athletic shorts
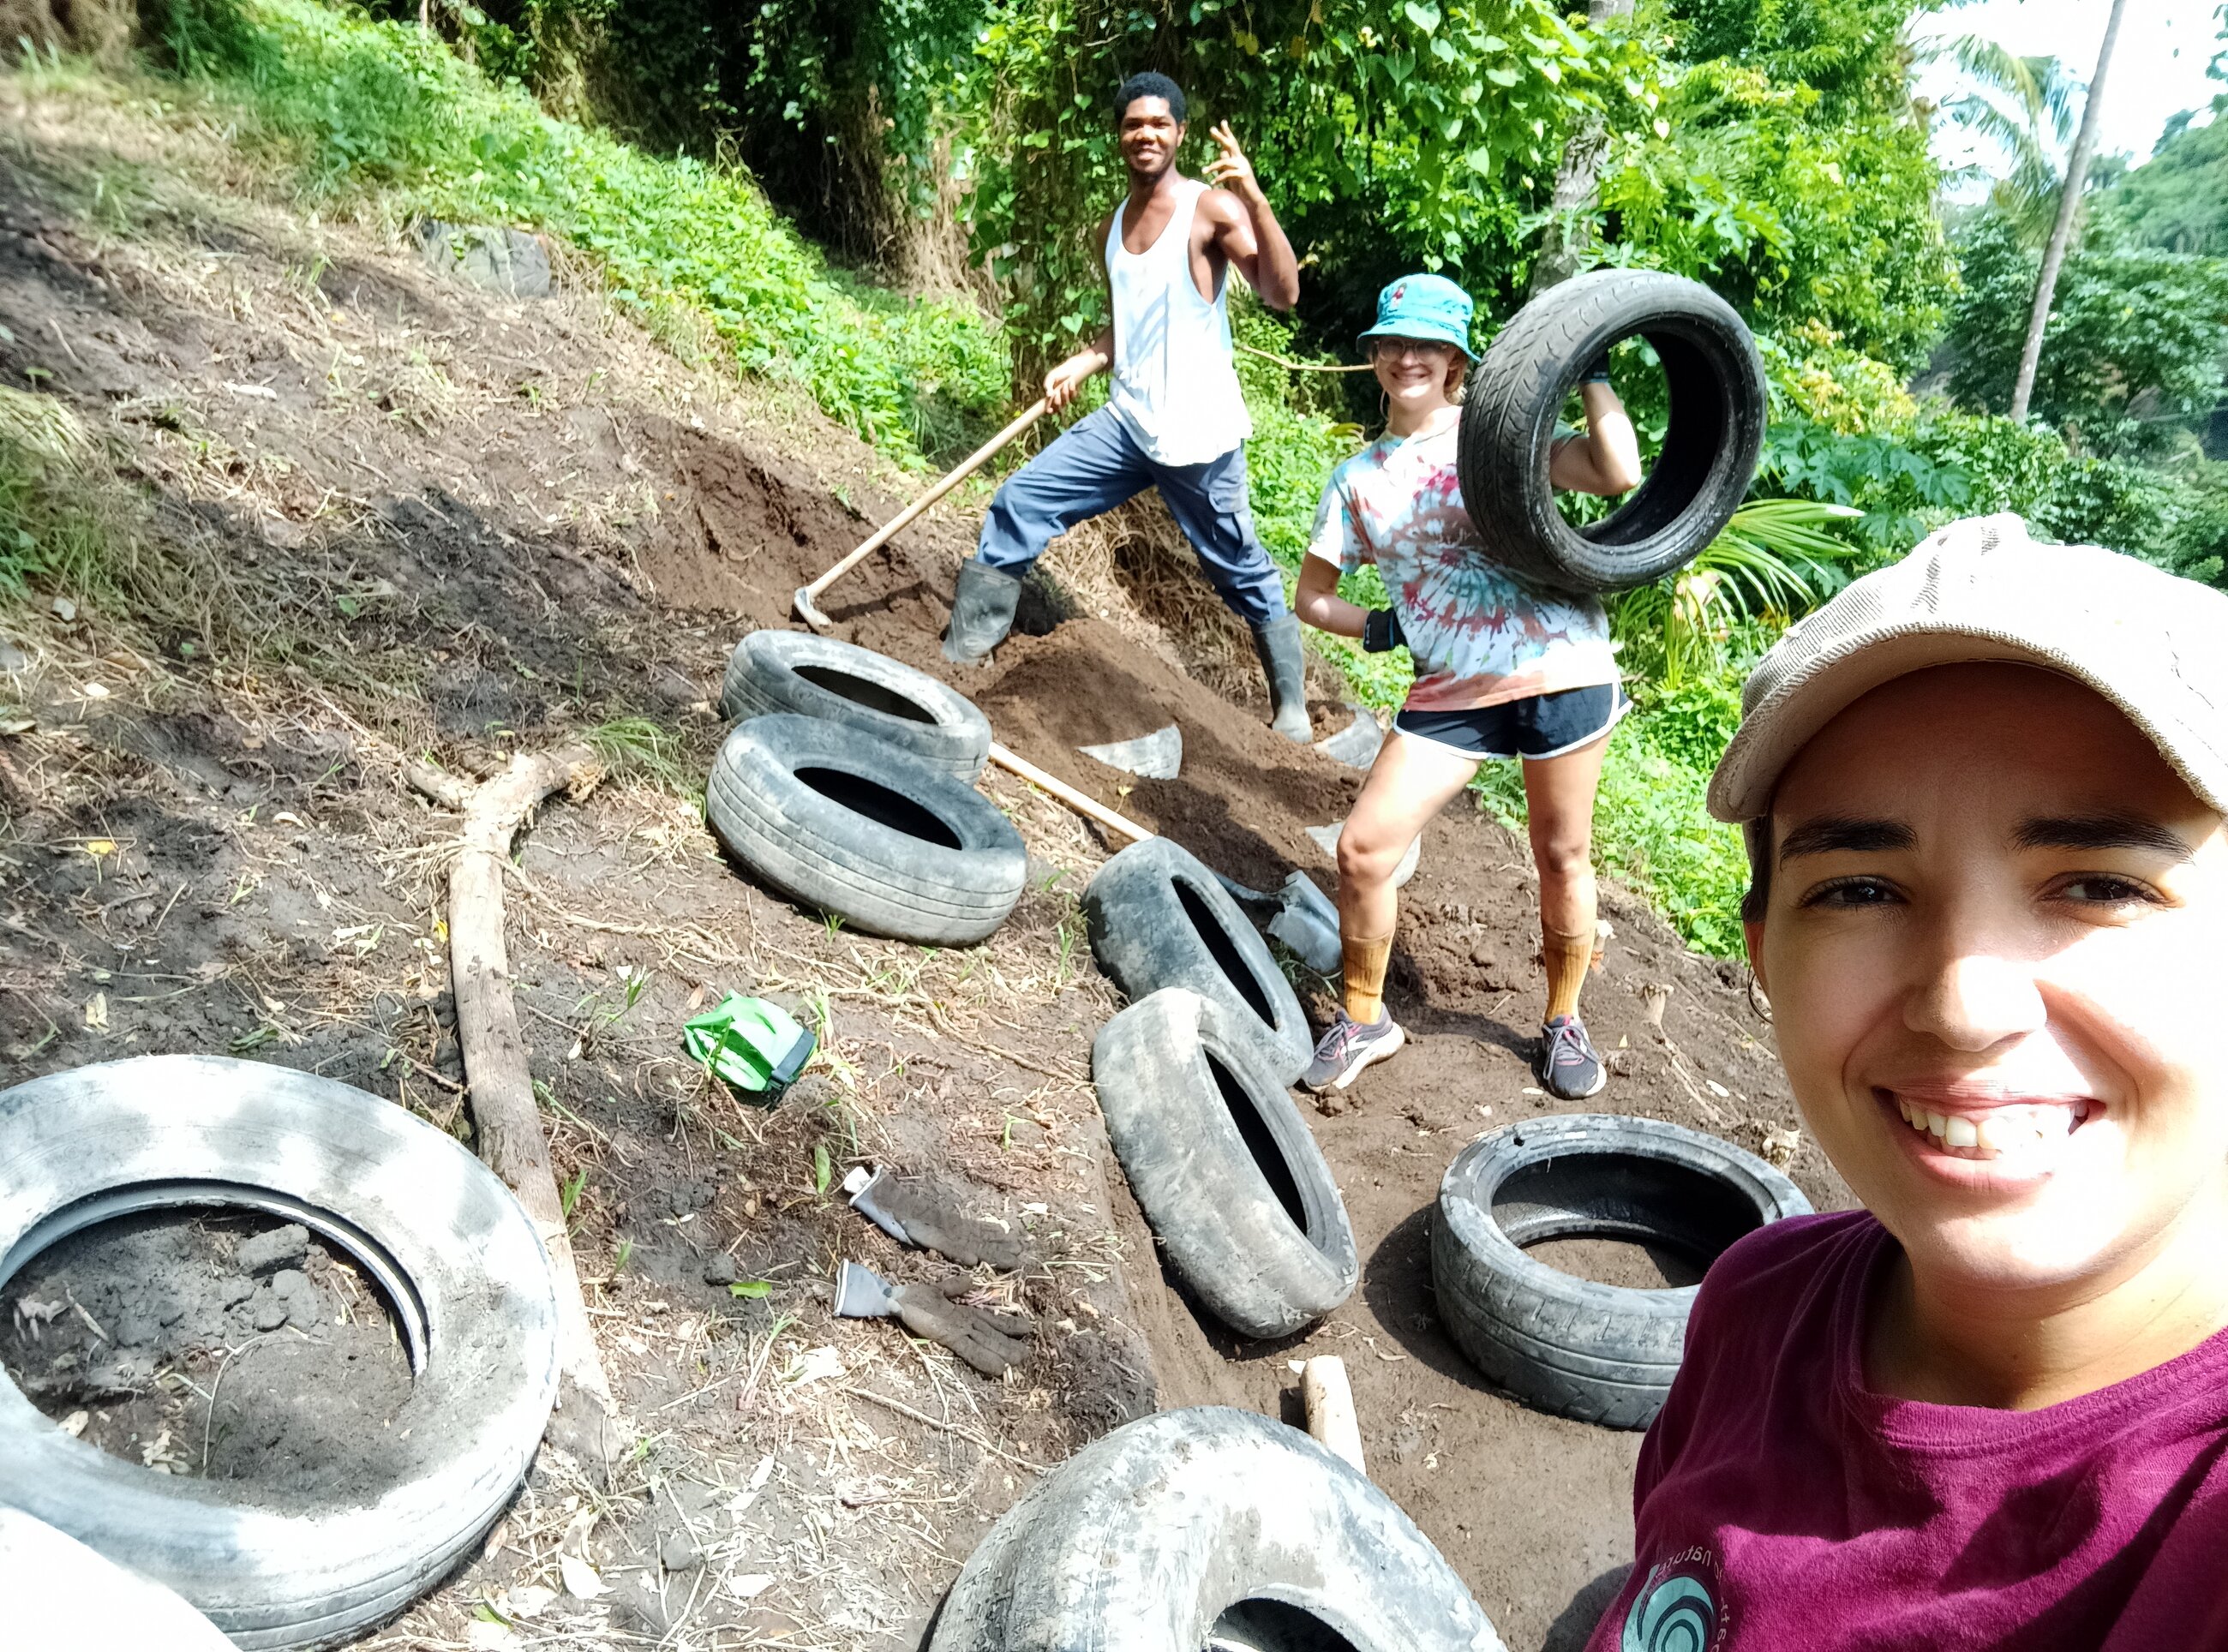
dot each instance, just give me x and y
(1545, 724)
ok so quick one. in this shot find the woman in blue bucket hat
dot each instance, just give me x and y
(1502, 670)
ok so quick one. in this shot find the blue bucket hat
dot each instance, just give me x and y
(1424, 307)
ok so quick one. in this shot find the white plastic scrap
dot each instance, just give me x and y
(812, 1366)
(740, 1504)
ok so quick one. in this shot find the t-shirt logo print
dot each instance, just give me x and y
(1674, 1613)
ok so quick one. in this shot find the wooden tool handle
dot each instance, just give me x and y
(1089, 808)
(971, 464)
(1329, 1403)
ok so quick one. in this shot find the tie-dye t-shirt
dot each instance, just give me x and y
(1479, 635)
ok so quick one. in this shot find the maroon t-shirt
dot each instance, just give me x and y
(1781, 1506)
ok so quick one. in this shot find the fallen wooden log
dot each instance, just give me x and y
(498, 1078)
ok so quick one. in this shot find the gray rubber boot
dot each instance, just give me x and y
(1278, 645)
(983, 605)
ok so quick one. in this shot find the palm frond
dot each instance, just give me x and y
(1775, 556)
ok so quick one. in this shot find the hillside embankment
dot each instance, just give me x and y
(345, 513)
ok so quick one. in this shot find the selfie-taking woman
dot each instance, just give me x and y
(1502, 670)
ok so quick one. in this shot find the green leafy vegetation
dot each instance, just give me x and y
(384, 107)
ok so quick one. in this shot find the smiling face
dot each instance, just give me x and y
(1996, 947)
(1420, 375)
(1149, 136)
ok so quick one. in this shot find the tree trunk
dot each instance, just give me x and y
(2061, 232)
(1574, 179)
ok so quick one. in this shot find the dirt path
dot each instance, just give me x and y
(367, 515)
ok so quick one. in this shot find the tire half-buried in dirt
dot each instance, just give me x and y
(1191, 1527)
(841, 822)
(1714, 379)
(1225, 1168)
(454, 1252)
(818, 676)
(1601, 1353)
(1158, 918)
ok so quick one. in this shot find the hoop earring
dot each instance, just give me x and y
(1757, 1002)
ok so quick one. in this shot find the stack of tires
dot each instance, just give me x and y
(847, 786)
(1194, 1079)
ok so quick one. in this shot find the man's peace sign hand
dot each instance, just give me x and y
(1231, 170)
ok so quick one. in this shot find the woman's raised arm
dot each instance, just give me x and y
(1606, 459)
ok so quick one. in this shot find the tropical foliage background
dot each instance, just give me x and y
(887, 201)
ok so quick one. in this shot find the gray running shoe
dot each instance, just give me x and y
(1568, 1066)
(1349, 1047)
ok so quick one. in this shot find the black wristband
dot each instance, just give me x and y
(1380, 631)
(1597, 370)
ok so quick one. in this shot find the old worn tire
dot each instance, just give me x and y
(1225, 1168)
(1172, 1529)
(818, 676)
(1601, 1353)
(885, 840)
(63, 1597)
(455, 1254)
(1715, 381)
(1158, 918)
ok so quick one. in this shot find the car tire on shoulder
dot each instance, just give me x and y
(1225, 1168)
(840, 822)
(1714, 379)
(838, 683)
(451, 1248)
(1158, 918)
(1208, 1527)
(1598, 1353)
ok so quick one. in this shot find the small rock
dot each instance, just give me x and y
(677, 1553)
(304, 1306)
(721, 1270)
(280, 1247)
(65, 610)
(133, 1330)
(500, 260)
(13, 659)
(813, 1089)
(267, 1312)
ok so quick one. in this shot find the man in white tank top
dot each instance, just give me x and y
(1175, 419)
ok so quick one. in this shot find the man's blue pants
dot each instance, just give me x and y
(1094, 466)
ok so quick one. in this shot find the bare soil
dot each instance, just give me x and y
(357, 538)
(222, 1346)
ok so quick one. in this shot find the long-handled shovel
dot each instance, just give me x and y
(1298, 914)
(805, 601)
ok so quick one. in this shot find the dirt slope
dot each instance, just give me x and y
(383, 515)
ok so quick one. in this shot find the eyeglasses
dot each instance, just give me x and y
(1422, 349)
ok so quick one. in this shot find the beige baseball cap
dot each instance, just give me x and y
(2152, 644)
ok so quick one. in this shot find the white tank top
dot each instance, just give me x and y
(1174, 384)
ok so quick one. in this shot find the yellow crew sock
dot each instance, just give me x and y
(1567, 957)
(1364, 964)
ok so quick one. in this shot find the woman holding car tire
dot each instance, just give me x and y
(1503, 670)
